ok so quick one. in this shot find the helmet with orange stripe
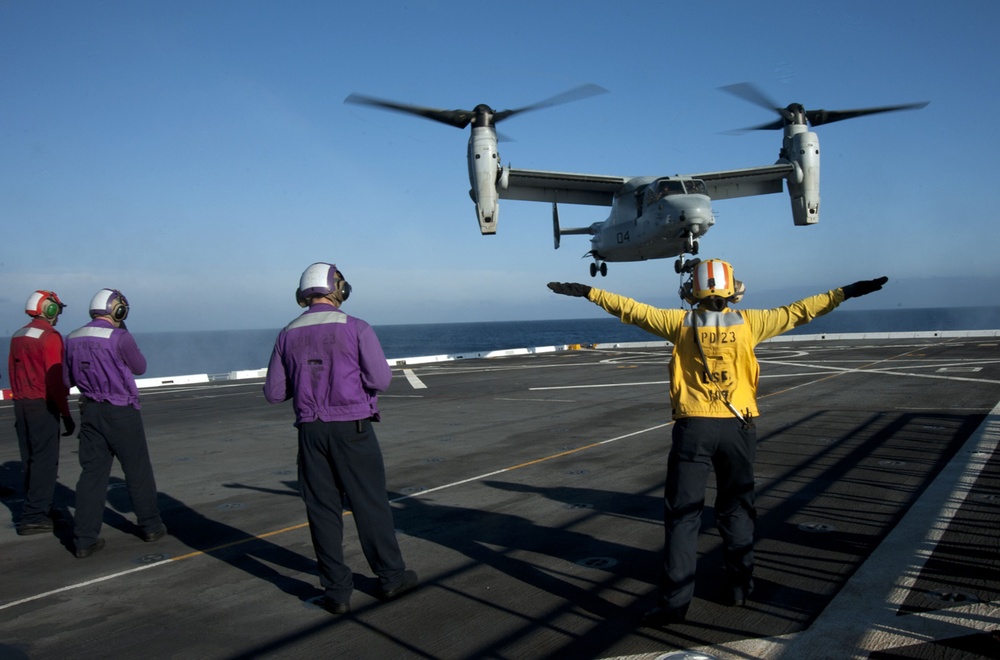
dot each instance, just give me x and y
(712, 278)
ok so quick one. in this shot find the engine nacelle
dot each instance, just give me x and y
(802, 150)
(484, 172)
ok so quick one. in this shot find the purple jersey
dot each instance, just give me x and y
(330, 364)
(102, 361)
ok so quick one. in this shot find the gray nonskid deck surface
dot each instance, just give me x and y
(527, 495)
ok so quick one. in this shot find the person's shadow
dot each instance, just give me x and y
(647, 508)
(219, 540)
(202, 534)
(364, 583)
(478, 533)
(12, 496)
(10, 474)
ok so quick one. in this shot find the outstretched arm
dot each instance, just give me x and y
(773, 322)
(863, 287)
(570, 289)
(660, 322)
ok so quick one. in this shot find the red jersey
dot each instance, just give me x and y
(35, 365)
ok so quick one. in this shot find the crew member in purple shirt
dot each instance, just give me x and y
(102, 360)
(332, 367)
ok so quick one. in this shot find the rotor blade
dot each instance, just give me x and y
(753, 94)
(575, 94)
(820, 117)
(775, 125)
(456, 118)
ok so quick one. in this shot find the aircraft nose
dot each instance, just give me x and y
(696, 213)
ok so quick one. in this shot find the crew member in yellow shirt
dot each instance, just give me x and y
(713, 397)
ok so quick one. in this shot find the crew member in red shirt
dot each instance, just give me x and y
(35, 365)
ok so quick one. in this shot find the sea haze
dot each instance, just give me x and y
(222, 351)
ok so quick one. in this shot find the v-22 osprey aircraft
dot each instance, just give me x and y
(652, 217)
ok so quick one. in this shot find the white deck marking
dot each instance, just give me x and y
(585, 387)
(412, 379)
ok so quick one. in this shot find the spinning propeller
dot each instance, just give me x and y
(482, 114)
(486, 174)
(797, 114)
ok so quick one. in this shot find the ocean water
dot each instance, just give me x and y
(219, 352)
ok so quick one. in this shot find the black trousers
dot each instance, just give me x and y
(702, 444)
(340, 466)
(38, 430)
(108, 432)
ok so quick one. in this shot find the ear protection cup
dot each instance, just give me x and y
(120, 311)
(343, 289)
(687, 294)
(740, 291)
(50, 309)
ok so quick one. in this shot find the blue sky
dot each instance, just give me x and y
(199, 155)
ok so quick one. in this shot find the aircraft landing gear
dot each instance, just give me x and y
(683, 265)
(594, 268)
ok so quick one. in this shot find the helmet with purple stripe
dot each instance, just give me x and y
(109, 302)
(321, 279)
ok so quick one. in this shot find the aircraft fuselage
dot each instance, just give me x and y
(654, 222)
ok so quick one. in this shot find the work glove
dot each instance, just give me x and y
(69, 425)
(863, 288)
(570, 289)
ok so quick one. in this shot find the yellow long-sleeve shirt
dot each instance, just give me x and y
(727, 338)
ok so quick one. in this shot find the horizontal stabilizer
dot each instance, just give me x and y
(557, 232)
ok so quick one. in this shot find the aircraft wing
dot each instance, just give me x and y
(746, 182)
(562, 187)
(600, 189)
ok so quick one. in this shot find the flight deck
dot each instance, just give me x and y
(527, 494)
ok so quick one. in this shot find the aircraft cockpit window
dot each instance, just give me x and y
(696, 187)
(671, 188)
(663, 189)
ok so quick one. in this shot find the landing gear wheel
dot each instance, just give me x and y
(683, 265)
(604, 269)
(593, 270)
(694, 248)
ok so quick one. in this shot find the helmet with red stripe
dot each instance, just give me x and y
(45, 304)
